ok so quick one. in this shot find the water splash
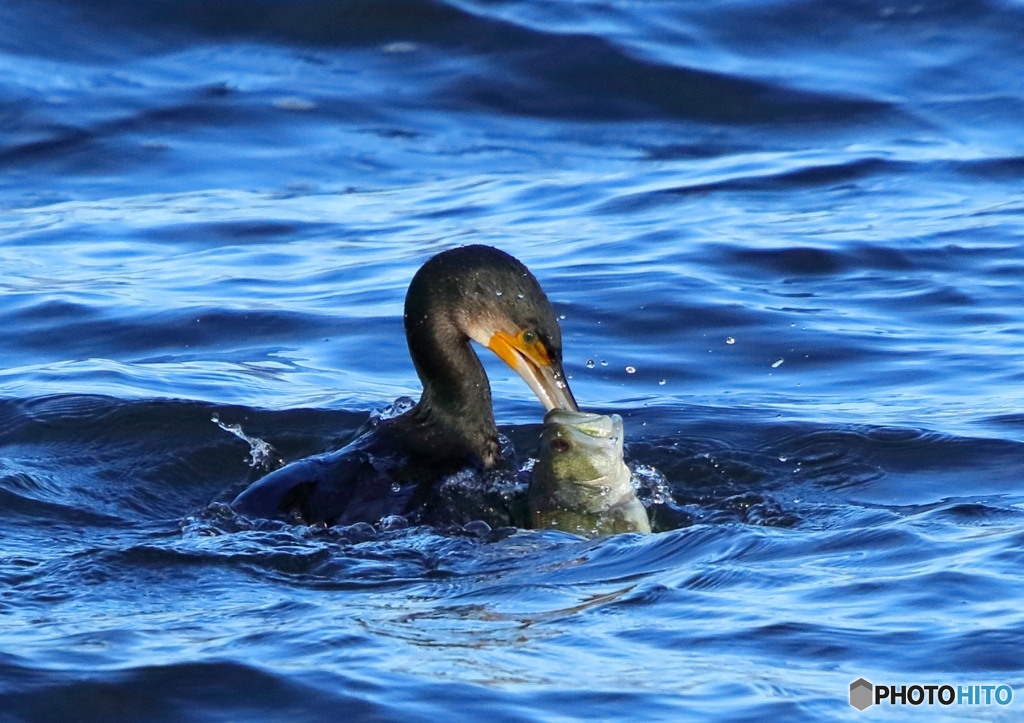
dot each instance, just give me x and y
(396, 409)
(261, 454)
(650, 485)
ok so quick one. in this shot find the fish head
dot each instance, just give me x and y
(580, 447)
(580, 483)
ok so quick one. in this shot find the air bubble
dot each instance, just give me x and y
(393, 522)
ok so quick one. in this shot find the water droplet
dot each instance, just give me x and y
(497, 293)
(590, 363)
(519, 296)
(399, 47)
(293, 103)
(395, 487)
(604, 363)
(661, 383)
(613, 439)
(562, 317)
(630, 370)
(729, 340)
(777, 363)
(783, 458)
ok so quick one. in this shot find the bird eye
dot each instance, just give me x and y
(529, 337)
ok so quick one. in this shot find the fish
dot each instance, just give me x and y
(580, 483)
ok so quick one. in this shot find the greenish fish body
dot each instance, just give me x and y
(580, 483)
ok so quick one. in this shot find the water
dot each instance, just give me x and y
(787, 242)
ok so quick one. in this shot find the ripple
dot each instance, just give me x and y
(177, 691)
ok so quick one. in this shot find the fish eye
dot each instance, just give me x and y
(559, 445)
(529, 337)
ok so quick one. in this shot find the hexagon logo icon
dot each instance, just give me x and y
(861, 694)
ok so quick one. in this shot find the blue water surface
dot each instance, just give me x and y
(786, 243)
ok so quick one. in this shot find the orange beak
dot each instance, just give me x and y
(532, 362)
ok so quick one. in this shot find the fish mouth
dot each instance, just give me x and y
(587, 428)
(541, 373)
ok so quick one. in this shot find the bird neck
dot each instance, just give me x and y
(456, 402)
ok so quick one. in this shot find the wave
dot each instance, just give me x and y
(504, 68)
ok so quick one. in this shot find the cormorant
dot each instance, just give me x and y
(473, 293)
